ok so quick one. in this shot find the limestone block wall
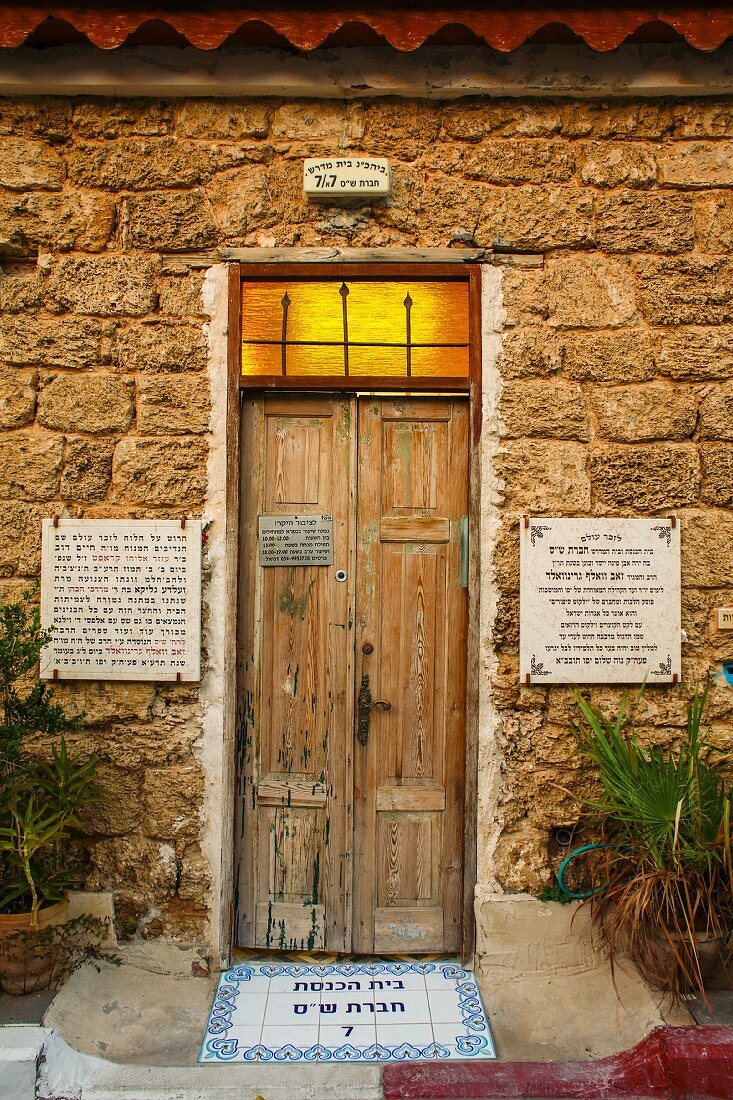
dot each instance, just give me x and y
(615, 371)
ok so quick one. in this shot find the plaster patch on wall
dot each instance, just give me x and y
(219, 630)
(489, 749)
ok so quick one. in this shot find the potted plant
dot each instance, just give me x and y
(40, 801)
(664, 878)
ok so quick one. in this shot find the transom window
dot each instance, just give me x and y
(364, 327)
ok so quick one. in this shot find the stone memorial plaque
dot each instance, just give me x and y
(296, 540)
(334, 177)
(599, 601)
(124, 599)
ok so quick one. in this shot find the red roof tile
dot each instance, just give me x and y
(403, 24)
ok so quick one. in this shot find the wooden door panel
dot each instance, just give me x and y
(296, 832)
(299, 625)
(410, 607)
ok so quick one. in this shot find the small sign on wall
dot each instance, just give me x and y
(346, 177)
(599, 601)
(123, 598)
(296, 540)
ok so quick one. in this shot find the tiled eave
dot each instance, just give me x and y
(404, 25)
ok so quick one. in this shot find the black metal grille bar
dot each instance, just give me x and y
(340, 343)
(408, 332)
(285, 303)
(344, 292)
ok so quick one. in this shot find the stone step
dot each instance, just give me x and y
(21, 1046)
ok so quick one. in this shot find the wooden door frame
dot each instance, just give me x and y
(472, 389)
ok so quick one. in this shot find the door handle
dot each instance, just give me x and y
(365, 707)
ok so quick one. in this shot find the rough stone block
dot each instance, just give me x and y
(529, 353)
(20, 292)
(241, 202)
(107, 285)
(550, 410)
(505, 565)
(48, 118)
(643, 413)
(525, 297)
(25, 165)
(475, 119)
(697, 354)
(159, 346)
(20, 539)
(231, 121)
(17, 397)
(119, 811)
(520, 860)
(716, 413)
(171, 801)
(170, 221)
(533, 219)
(312, 122)
(80, 220)
(589, 291)
(410, 126)
(610, 357)
(180, 295)
(544, 477)
(629, 222)
(514, 162)
(30, 465)
(697, 164)
(171, 405)
(49, 342)
(141, 872)
(135, 165)
(160, 472)
(121, 118)
(714, 222)
(685, 290)
(717, 474)
(644, 478)
(87, 469)
(85, 403)
(103, 701)
(452, 207)
(707, 549)
(698, 118)
(195, 876)
(601, 119)
(619, 164)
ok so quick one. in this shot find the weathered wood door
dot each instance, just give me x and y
(351, 837)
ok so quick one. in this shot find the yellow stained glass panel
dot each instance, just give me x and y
(377, 320)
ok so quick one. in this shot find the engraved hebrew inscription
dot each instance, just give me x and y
(599, 601)
(296, 540)
(123, 598)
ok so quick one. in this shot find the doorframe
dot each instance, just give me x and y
(472, 388)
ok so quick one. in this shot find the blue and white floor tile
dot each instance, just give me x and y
(347, 1012)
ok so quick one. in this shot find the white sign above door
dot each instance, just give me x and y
(346, 177)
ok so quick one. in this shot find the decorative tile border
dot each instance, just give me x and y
(346, 1012)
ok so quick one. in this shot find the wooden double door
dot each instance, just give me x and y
(351, 816)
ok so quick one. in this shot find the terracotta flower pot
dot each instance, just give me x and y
(23, 968)
(664, 965)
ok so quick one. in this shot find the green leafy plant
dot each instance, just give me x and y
(666, 875)
(40, 800)
(27, 707)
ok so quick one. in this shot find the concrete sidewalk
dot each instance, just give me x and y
(132, 1032)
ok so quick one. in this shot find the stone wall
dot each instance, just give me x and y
(617, 393)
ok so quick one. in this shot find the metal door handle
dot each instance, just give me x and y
(366, 706)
